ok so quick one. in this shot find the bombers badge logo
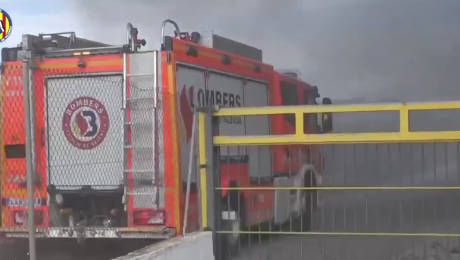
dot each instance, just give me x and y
(85, 122)
(6, 25)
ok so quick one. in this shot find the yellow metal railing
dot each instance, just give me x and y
(403, 135)
(300, 137)
(202, 160)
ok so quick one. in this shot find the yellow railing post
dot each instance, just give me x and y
(299, 123)
(404, 120)
(202, 159)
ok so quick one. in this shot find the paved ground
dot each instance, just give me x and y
(335, 248)
(70, 250)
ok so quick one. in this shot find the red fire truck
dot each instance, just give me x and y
(112, 130)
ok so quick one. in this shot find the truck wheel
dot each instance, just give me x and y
(309, 200)
(307, 212)
(232, 240)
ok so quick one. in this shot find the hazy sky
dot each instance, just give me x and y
(374, 50)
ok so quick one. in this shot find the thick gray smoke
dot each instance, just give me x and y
(355, 49)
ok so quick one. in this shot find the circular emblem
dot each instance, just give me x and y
(6, 25)
(85, 122)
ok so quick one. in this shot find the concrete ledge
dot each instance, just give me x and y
(197, 246)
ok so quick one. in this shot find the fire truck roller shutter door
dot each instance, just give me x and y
(227, 91)
(256, 94)
(84, 129)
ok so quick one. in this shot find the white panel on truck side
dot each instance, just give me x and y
(189, 81)
(84, 131)
(197, 88)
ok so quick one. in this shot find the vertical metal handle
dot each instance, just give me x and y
(163, 25)
(125, 84)
(189, 173)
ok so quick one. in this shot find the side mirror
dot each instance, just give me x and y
(326, 118)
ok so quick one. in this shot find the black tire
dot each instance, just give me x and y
(231, 242)
(309, 197)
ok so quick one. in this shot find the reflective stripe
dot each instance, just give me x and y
(22, 201)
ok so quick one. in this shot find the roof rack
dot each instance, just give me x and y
(65, 44)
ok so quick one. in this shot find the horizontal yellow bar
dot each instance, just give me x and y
(375, 137)
(434, 105)
(273, 110)
(344, 188)
(375, 234)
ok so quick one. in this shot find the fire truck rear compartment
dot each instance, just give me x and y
(103, 181)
